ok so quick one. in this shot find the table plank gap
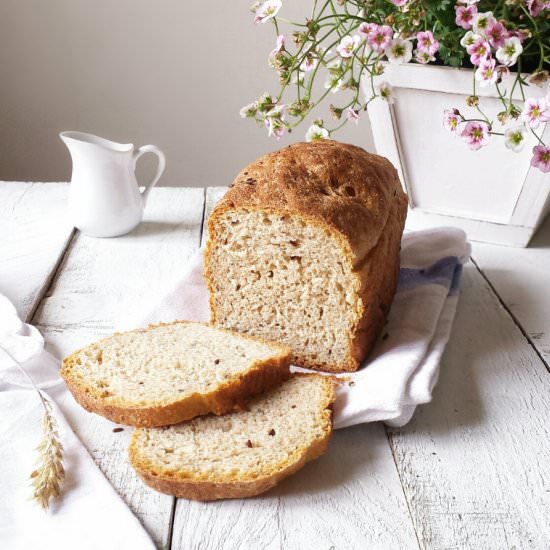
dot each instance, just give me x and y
(512, 315)
(96, 288)
(50, 276)
(401, 482)
(521, 277)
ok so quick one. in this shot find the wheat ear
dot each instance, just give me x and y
(46, 479)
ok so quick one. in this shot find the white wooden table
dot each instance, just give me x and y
(472, 470)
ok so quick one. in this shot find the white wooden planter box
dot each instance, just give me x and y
(493, 193)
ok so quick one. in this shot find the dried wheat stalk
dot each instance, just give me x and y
(47, 478)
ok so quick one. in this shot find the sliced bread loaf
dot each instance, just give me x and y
(243, 453)
(304, 250)
(169, 373)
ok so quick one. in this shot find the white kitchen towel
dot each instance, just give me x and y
(402, 370)
(90, 514)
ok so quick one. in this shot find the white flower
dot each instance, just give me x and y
(514, 138)
(469, 38)
(482, 21)
(275, 52)
(385, 91)
(266, 10)
(348, 45)
(275, 122)
(333, 83)
(316, 132)
(399, 51)
(509, 53)
(309, 63)
(250, 110)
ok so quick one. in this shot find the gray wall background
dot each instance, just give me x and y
(170, 72)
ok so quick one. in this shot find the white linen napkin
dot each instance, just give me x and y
(89, 514)
(402, 370)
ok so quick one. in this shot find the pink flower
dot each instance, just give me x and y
(521, 34)
(537, 6)
(497, 34)
(541, 158)
(427, 43)
(486, 74)
(348, 45)
(475, 134)
(465, 16)
(451, 120)
(365, 29)
(479, 51)
(380, 37)
(399, 2)
(352, 115)
(535, 111)
(309, 63)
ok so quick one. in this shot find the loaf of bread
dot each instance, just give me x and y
(169, 373)
(243, 453)
(304, 250)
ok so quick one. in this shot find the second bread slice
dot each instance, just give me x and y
(173, 372)
(240, 454)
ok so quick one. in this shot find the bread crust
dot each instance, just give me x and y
(353, 195)
(177, 484)
(262, 376)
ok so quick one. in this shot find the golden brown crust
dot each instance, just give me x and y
(232, 394)
(341, 185)
(354, 195)
(180, 485)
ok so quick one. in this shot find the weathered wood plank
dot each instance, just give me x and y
(521, 276)
(98, 279)
(35, 233)
(349, 498)
(475, 463)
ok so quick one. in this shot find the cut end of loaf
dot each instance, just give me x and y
(304, 249)
(241, 454)
(169, 373)
(285, 279)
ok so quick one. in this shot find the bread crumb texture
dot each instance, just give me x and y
(172, 372)
(304, 249)
(242, 453)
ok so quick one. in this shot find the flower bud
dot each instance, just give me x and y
(336, 112)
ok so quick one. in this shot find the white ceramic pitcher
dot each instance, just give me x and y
(104, 198)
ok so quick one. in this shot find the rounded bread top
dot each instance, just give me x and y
(351, 191)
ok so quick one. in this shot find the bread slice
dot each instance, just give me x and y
(304, 250)
(169, 373)
(241, 454)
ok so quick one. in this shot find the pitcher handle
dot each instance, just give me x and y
(162, 164)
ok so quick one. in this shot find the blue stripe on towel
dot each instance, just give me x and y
(445, 272)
